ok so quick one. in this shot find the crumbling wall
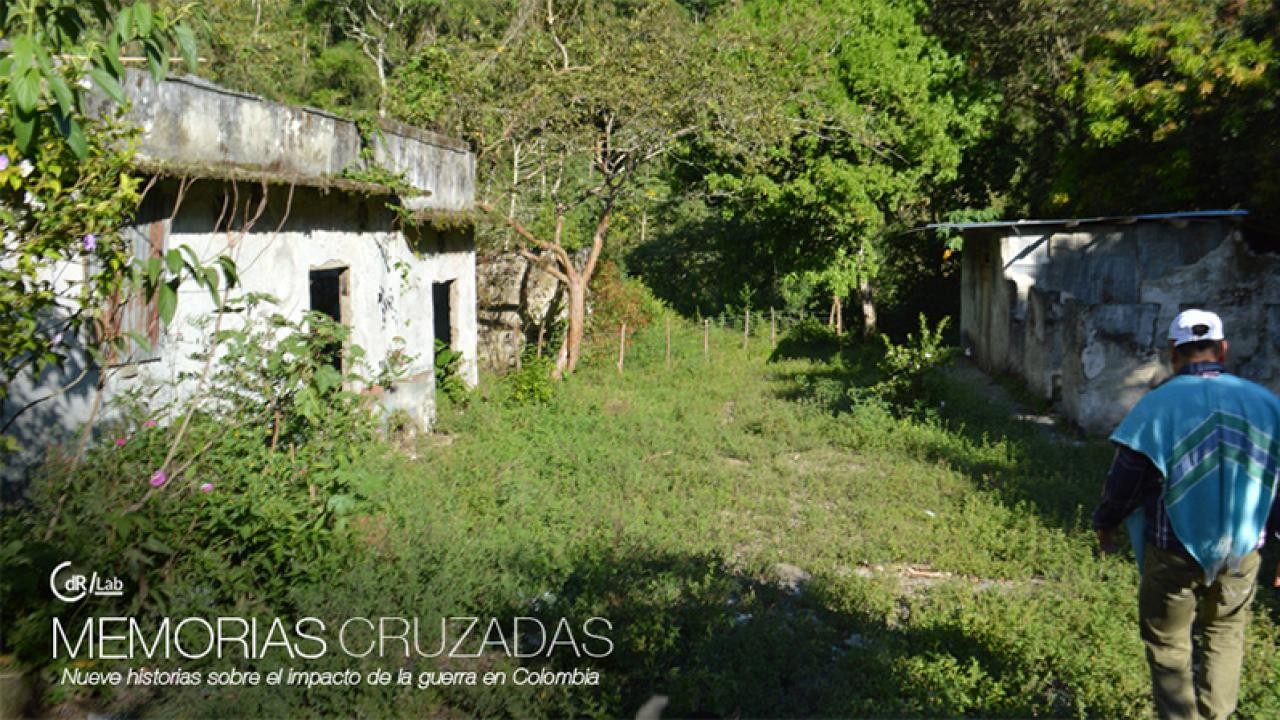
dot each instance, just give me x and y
(221, 152)
(517, 303)
(1081, 313)
(192, 125)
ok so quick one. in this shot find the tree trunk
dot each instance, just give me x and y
(576, 282)
(577, 285)
(380, 63)
(572, 347)
(868, 308)
(839, 313)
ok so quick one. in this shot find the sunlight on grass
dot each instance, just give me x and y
(763, 550)
(761, 554)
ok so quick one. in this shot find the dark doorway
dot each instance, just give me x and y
(440, 302)
(329, 296)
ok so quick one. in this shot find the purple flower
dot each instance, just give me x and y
(4, 161)
(121, 441)
(158, 478)
(207, 487)
(90, 242)
(149, 423)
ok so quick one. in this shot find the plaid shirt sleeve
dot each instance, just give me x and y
(1273, 522)
(1132, 479)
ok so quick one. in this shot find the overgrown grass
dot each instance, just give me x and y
(763, 545)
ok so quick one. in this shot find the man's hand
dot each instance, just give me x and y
(1107, 545)
(1275, 583)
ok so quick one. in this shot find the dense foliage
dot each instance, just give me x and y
(1121, 106)
(733, 156)
(66, 272)
(810, 137)
(229, 499)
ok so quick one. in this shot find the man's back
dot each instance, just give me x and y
(1215, 438)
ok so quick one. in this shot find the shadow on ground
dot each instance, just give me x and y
(718, 642)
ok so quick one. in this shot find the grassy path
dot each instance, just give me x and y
(765, 547)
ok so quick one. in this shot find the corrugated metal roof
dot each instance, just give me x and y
(1111, 220)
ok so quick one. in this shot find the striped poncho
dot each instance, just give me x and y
(1216, 442)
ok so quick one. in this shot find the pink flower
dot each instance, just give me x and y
(149, 423)
(207, 487)
(121, 441)
(90, 242)
(158, 478)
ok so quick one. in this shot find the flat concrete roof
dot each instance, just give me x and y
(195, 128)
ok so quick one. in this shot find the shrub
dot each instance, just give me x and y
(231, 499)
(616, 299)
(808, 339)
(910, 369)
(448, 376)
(532, 383)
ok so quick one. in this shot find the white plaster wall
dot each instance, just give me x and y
(1111, 292)
(389, 296)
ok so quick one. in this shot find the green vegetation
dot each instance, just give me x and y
(831, 526)
(792, 145)
(66, 187)
(765, 539)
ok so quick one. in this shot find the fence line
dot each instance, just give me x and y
(677, 337)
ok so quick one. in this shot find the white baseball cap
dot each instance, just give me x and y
(1194, 326)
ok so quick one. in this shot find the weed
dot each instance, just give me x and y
(757, 553)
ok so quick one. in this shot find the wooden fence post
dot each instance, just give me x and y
(706, 339)
(773, 328)
(746, 327)
(622, 346)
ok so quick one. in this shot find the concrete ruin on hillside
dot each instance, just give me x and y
(518, 303)
(272, 186)
(1079, 309)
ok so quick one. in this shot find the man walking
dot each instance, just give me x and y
(1197, 467)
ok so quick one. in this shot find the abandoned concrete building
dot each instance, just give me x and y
(1079, 309)
(272, 186)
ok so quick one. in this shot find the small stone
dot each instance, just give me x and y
(790, 577)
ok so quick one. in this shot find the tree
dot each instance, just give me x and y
(871, 127)
(1184, 99)
(387, 32)
(567, 113)
(1016, 55)
(64, 186)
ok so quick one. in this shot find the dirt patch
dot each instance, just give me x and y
(914, 579)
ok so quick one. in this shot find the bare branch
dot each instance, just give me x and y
(183, 186)
(514, 224)
(513, 30)
(75, 381)
(597, 239)
(288, 207)
(545, 262)
(551, 28)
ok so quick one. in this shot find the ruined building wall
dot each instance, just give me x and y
(1081, 313)
(516, 303)
(216, 153)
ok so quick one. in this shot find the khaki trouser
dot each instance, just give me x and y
(1173, 595)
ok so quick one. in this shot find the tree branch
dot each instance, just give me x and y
(551, 28)
(597, 239)
(541, 261)
(514, 224)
